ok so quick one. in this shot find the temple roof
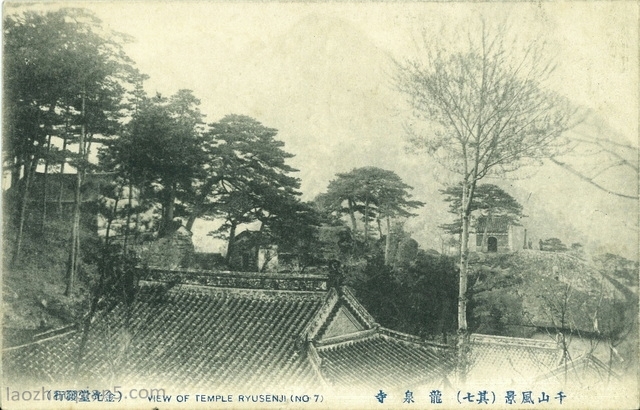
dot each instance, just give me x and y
(194, 335)
(511, 359)
(495, 224)
(384, 359)
(188, 336)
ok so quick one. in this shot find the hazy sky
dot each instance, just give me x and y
(321, 74)
(182, 45)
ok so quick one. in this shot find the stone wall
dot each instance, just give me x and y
(503, 242)
(169, 252)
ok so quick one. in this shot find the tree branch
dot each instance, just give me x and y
(591, 181)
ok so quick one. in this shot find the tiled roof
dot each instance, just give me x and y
(363, 354)
(188, 336)
(192, 336)
(381, 359)
(496, 224)
(513, 359)
(586, 370)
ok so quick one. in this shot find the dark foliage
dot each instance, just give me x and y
(417, 296)
(491, 199)
(552, 245)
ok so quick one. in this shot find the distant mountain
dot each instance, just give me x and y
(331, 132)
(561, 204)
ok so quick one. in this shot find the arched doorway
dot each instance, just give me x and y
(492, 244)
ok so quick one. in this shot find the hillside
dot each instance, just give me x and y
(517, 293)
(33, 290)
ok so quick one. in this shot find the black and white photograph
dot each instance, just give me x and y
(323, 205)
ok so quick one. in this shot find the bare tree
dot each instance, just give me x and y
(610, 160)
(487, 112)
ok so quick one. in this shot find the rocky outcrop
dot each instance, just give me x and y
(169, 252)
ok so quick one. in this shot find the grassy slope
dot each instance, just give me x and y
(33, 290)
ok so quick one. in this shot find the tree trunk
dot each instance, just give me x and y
(64, 161)
(192, 219)
(464, 266)
(52, 108)
(86, 326)
(387, 242)
(231, 244)
(366, 221)
(171, 204)
(73, 254)
(75, 231)
(463, 333)
(352, 215)
(109, 222)
(44, 184)
(199, 202)
(170, 207)
(127, 230)
(136, 232)
(26, 186)
(15, 171)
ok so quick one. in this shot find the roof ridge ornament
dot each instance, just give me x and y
(243, 280)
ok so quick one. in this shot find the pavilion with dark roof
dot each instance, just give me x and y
(193, 329)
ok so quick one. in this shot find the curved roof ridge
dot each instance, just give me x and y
(234, 279)
(237, 291)
(584, 359)
(405, 337)
(321, 316)
(357, 308)
(347, 340)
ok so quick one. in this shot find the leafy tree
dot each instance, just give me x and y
(245, 177)
(490, 199)
(342, 198)
(374, 193)
(116, 284)
(294, 228)
(61, 67)
(251, 157)
(160, 151)
(236, 209)
(489, 114)
(417, 297)
(116, 156)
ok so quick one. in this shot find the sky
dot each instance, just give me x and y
(322, 74)
(182, 44)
